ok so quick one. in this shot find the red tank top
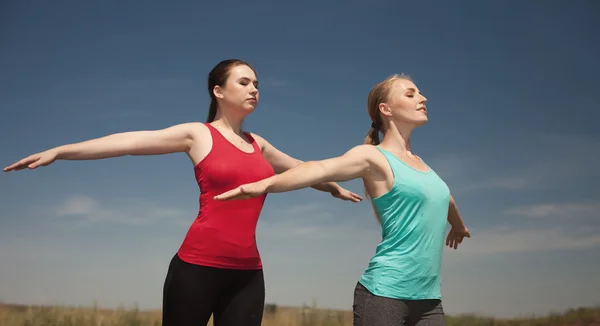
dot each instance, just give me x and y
(224, 232)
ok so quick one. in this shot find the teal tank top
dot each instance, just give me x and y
(408, 260)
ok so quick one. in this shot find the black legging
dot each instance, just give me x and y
(192, 293)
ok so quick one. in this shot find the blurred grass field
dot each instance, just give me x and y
(22, 315)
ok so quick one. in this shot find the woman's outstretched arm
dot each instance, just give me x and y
(178, 138)
(355, 163)
(282, 162)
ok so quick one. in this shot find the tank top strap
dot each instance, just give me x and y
(397, 165)
(391, 159)
(214, 133)
(253, 142)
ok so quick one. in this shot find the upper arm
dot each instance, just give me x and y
(177, 138)
(355, 163)
(279, 160)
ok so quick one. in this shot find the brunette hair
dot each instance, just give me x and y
(218, 76)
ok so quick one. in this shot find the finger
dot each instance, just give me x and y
(15, 166)
(24, 163)
(229, 194)
(455, 245)
(36, 164)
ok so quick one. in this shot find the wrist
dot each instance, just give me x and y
(59, 152)
(334, 188)
(459, 226)
(270, 183)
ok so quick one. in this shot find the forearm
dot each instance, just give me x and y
(119, 144)
(326, 186)
(104, 147)
(454, 217)
(323, 186)
(306, 174)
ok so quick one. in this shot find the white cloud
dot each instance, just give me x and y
(78, 205)
(334, 251)
(52, 269)
(508, 240)
(571, 236)
(125, 212)
(566, 210)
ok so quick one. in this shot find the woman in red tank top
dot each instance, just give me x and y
(217, 270)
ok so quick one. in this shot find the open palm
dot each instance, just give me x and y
(345, 194)
(246, 191)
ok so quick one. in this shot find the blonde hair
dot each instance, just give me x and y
(379, 93)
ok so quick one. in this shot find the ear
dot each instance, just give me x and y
(218, 91)
(385, 110)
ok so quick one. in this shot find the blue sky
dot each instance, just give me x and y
(512, 89)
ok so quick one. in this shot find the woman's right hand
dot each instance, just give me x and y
(246, 191)
(34, 161)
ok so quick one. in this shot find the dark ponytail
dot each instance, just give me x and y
(212, 110)
(372, 137)
(218, 77)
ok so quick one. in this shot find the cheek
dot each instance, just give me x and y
(235, 92)
(407, 103)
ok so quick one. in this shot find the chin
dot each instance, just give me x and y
(247, 109)
(421, 122)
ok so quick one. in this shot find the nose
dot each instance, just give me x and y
(253, 89)
(423, 99)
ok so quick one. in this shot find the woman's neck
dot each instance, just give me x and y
(229, 121)
(398, 138)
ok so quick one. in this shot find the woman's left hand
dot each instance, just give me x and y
(345, 194)
(456, 236)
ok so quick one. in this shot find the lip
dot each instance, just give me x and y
(252, 99)
(422, 109)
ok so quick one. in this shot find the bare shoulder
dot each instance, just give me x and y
(201, 140)
(371, 155)
(197, 130)
(195, 134)
(259, 140)
(194, 125)
(365, 151)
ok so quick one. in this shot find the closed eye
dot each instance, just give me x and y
(246, 81)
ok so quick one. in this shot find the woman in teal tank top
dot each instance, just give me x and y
(401, 285)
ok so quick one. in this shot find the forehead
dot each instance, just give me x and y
(405, 84)
(242, 71)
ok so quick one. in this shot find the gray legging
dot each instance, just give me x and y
(372, 310)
